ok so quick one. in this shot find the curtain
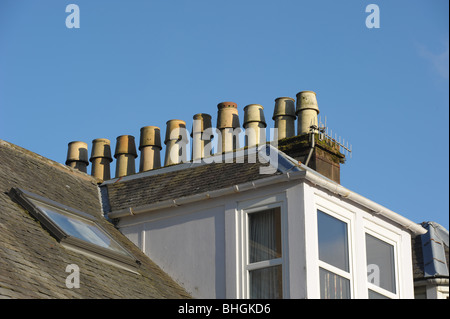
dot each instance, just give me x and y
(333, 286)
(265, 244)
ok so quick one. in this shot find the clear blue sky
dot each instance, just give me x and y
(138, 63)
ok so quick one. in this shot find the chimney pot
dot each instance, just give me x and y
(101, 158)
(284, 117)
(254, 124)
(176, 140)
(150, 147)
(228, 124)
(202, 122)
(228, 116)
(77, 156)
(307, 111)
(150, 136)
(125, 154)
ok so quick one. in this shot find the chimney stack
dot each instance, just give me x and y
(255, 125)
(101, 159)
(202, 122)
(321, 155)
(125, 155)
(77, 156)
(176, 140)
(150, 147)
(228, 124)
(284, 117)
(307, 110)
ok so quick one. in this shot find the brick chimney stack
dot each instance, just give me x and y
(322, 155)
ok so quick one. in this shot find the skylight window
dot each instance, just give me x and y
(75, 230)
(80, 228)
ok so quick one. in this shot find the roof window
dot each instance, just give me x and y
(74, 229)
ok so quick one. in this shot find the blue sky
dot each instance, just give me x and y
(138, 63)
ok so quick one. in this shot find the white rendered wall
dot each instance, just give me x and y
(199, 244)
(188, 245)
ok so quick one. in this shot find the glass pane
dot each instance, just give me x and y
(333, 286)
(80, 228)
(380, 263)
(333, 242)
(376, 295)
(264, 235)
(266, 283)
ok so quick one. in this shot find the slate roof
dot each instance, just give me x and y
(148, 189)
(33, 263)
(430, 253)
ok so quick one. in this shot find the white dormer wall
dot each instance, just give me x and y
(204, 245)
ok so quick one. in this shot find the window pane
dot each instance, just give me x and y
(333, 242)
(266, 283)
(333, 286)
(376, 295)
(264, 235)
(80, 228)
(380, 263)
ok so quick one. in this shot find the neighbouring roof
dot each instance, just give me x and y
(33, 263)
(430, 252)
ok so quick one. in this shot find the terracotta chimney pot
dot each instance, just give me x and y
(77, 156)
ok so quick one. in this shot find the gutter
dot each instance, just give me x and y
(208, 195)
(432, 281)
(307, 174)
(367, 203)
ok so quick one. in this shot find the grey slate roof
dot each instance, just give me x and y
(430, 252)
(189, 179)
(144, 190)
(33, 263)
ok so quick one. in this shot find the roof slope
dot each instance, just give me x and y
(143, 189)
(430, 252)
(33, 263)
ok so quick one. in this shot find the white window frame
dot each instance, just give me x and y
(348, 218)
(35, 204)
(392, 239)
(361, 222)
(253, 207)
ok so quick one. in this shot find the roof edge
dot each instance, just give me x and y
(309, 175)
(207, 195)
(367, 203)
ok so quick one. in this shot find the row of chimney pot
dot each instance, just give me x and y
(284, 115)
